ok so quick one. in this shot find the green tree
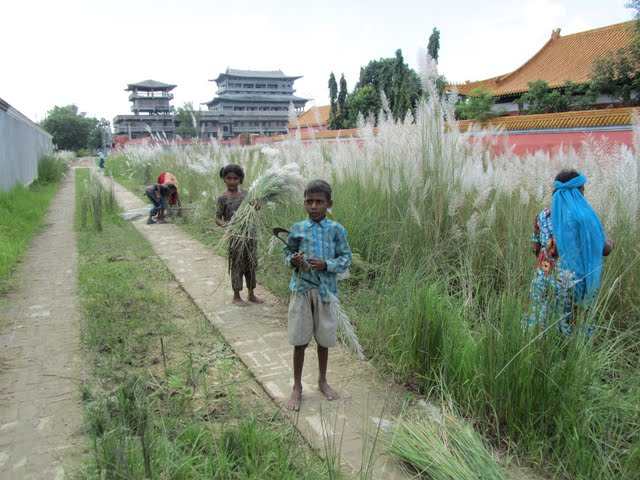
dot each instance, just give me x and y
(542, 99)
(333, 97)
(341, 116)
(187, 120)
(433, 46)
(399, 82)
(365, 101)
(477, 106)
(100, 135)
(618, 74)
(69, 127)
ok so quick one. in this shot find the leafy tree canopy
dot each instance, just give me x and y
(477, 106)
(187, 120)
(618, 74)
(365, 101)
(71, 129)
(399, 82)
(541, 98)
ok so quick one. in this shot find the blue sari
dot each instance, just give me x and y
(579, 236)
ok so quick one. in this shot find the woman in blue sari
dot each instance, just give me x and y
(569, 242)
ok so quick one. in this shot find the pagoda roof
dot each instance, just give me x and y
(310, 118)
(150, 85)
(267, 74)
(242, 98)
(560, 59)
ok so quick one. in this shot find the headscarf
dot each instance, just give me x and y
(579, 236)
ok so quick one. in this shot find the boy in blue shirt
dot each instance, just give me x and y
(317, 250)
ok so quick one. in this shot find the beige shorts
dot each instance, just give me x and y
(311, 318)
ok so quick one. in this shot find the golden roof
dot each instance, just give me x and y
(560, 59)
(580, 119)
(610, 117)
(308, 118)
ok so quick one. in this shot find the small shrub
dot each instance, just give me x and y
(50, 169)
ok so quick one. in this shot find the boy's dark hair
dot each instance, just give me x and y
(565, 175)
(171, 186)
(318, 186)
(232, 168)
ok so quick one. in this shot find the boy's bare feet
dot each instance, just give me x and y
(294, 399)
(254, 299)
(240, 302)
(328, 391)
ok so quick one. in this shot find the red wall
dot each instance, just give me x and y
(522, 143)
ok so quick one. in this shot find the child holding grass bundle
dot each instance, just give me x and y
(318, 250)
(243, 255)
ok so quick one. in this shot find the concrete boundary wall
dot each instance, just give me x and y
(22, 142)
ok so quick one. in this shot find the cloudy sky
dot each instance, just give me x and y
(87, 51)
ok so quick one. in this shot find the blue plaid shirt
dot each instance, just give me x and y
(326, 240)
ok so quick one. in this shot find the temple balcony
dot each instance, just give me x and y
(145, 109)
(126, 129)
(229, 92)
(145, 95)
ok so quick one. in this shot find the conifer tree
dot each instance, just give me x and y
(333, 96)
(342, 106)
(433, 46)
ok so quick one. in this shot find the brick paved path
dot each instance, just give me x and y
(40, 358)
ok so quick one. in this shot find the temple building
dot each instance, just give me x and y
(562, 58)
(152, 112)
(250, 102)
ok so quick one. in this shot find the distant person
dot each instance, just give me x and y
(318, 251)
(569, 241)
(243, 262)
(158, 194)
(101, 161)
(174, 198)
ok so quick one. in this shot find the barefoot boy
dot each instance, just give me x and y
(318, 251)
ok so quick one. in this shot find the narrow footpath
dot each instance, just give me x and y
(40, 355)
(258, 335)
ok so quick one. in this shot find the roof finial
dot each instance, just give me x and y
(555, 34)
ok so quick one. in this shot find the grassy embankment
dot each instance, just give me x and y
(22, 212)
(167, 397)
(442, 229)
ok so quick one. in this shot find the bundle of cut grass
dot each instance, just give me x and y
(443, 449)
(344, 323)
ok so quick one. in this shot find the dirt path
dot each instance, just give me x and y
(258, 335)
(40, 357)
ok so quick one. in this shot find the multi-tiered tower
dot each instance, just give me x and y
(152, 111)
(250, 102)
